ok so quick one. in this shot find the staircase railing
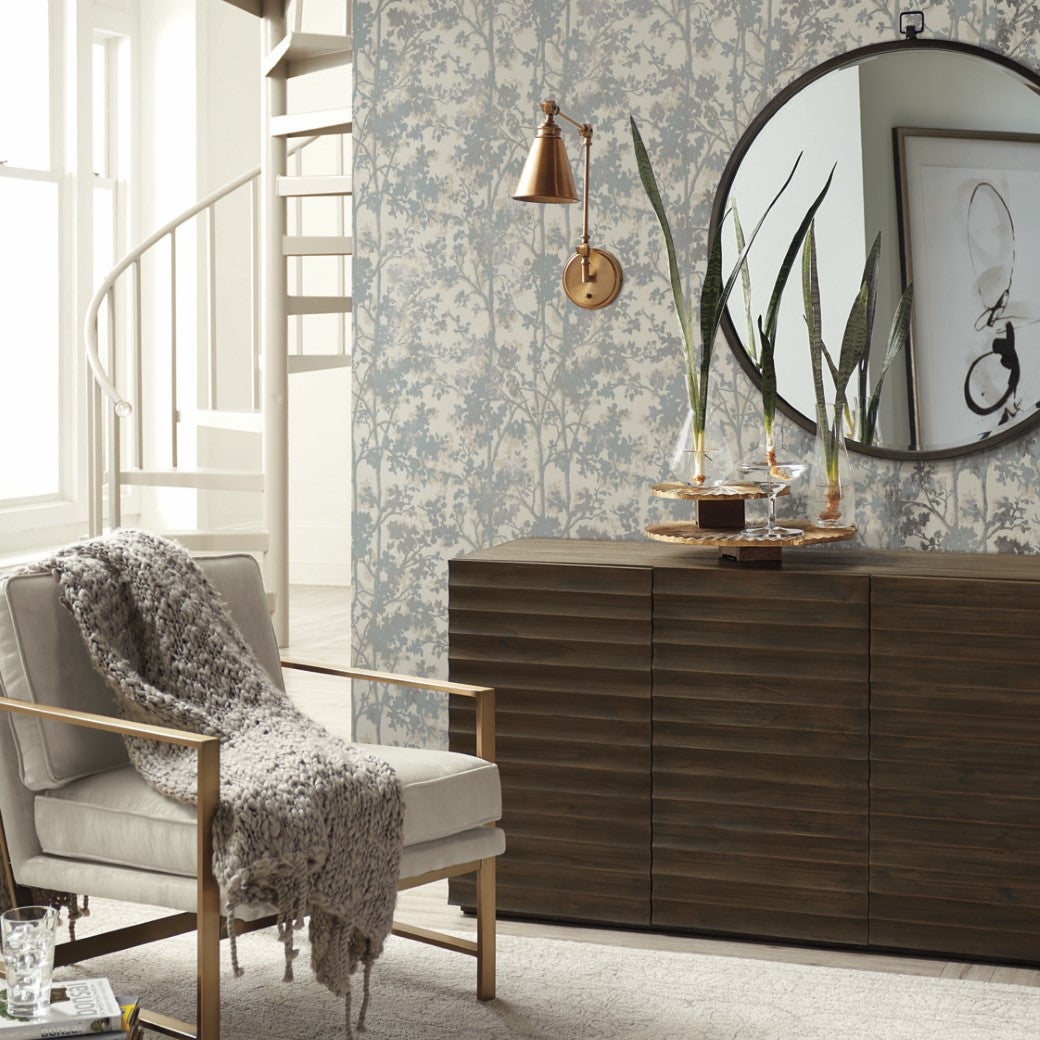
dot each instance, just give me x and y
(105, 425)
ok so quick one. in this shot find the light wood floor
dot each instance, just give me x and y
(320, 628)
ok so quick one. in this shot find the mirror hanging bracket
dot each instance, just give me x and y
(911, 24)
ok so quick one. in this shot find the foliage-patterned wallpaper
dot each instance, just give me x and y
(486, 406)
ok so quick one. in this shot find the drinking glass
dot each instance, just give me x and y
(27, 933)
(772, 479)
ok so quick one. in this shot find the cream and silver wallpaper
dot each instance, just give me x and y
(486, 406)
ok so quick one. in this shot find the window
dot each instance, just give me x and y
(30, 179)
(109, 187)
(52, 254)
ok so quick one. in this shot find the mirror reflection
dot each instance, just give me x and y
(938, 150)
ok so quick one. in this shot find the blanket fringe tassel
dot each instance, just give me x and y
(286, 924)
(232, 930)
(64, 901)
(364, 998)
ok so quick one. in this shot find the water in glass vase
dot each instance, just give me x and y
(702, 459)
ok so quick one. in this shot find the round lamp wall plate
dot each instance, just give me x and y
(604, 280)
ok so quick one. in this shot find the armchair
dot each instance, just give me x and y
(76, 817)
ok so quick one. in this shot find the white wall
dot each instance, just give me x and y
(229, 133)
(167, 184)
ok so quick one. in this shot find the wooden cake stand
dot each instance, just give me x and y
(720, 517)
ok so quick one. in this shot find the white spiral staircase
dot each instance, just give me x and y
(144, 425)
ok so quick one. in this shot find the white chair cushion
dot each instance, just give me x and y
(43, 659)
(177, 892)
(115, 817)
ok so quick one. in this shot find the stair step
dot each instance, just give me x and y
(219, 419)
(317, 362)
(250, 6)
(295, 187)
(299, 53)
(318, 305)
(317, 245)
(203, 479)
(304, 124)
(222, 541)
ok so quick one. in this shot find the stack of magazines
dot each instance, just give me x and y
(86, 1008)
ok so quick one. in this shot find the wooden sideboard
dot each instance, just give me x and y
(846, 750)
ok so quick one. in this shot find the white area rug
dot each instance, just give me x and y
(559, 990)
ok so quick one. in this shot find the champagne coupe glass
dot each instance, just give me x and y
(771, 479)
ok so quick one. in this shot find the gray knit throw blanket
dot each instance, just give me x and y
(306, 823)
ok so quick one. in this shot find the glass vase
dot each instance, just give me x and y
(832, 485)
(703, 458)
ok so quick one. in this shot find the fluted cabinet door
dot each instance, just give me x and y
(761, 685)
(955, 766)
(568, 650)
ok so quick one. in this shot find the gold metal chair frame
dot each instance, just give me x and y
(207, 920)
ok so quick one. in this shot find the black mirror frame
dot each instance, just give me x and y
(726, 183)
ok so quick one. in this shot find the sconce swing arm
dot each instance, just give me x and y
(592, 278)
(551, 109)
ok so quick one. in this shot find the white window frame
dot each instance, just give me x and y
(28, 524)
(26, 507)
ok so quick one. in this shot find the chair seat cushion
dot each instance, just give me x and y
(115, 817)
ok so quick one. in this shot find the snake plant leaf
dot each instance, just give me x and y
(745, 281)
(767, 329)
(870, 272)
(711, 290)
(713, 301)
(831, 366)
(811, 299)
(827, 428)
(773, 310)
(818, 352)
(854, 342)
(767, 370)
(646, 175)
(714, 292)
(898, 337)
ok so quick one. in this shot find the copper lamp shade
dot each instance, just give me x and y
(547, 176)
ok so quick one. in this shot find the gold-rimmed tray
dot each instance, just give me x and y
(719, 493)
(688, 533)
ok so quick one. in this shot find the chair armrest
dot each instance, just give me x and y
(109, 724)
(483, 695)
(207, 782)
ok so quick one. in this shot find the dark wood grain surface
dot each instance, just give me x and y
(585, 552)
(568, 651)
(955, 766)
(846, 750)
(760, 753)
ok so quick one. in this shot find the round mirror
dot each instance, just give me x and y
(936, 147)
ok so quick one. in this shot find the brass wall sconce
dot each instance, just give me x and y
(592, 277)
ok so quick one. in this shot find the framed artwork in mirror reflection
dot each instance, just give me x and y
(970, 243)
